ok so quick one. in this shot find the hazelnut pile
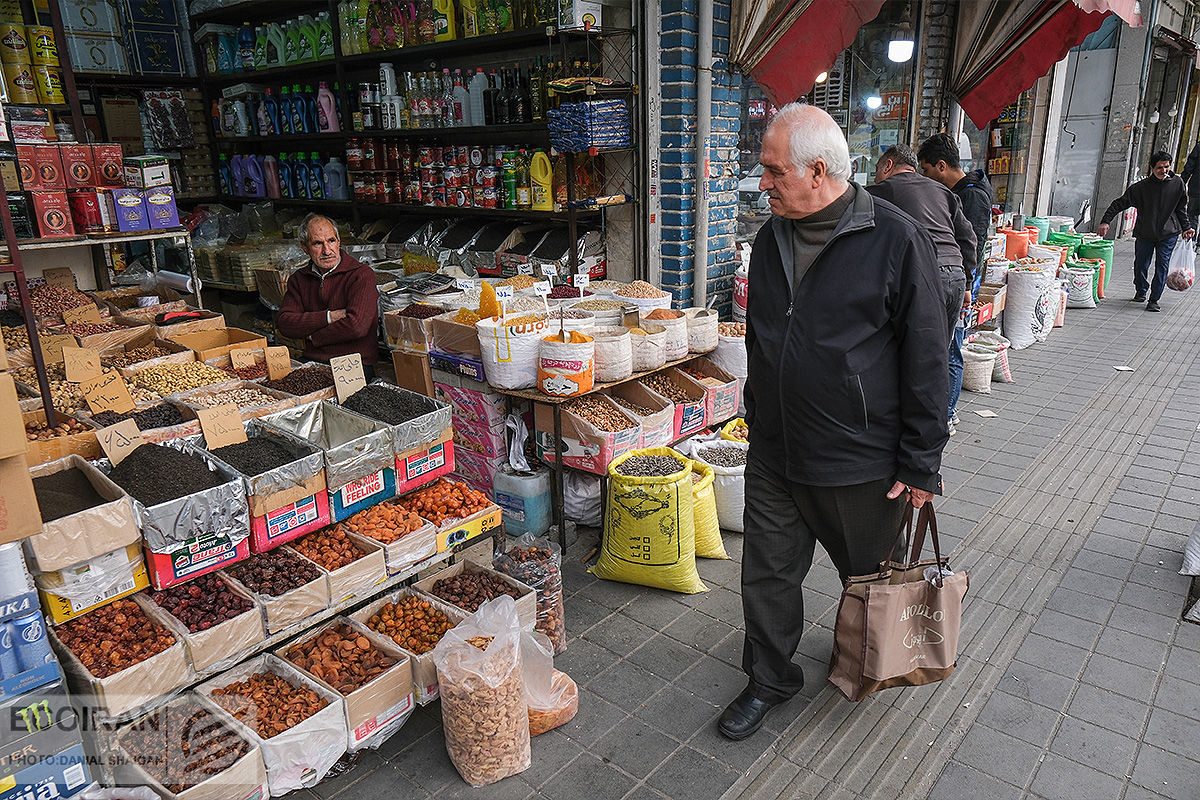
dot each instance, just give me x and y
(412, 623)
(469, 590)
(268, 703)
(114, 637)
(183, 745)
(342, 657)
(330, 547)
(202, 603)
(275, 573)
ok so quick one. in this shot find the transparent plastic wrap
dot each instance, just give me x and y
(551, 252)
(300, 756)
(221, 511)
(481, 253)
(485, 716)
(452, 248)
(537, 562)
(309, 463)
(552, 697)
(103, 573)
(354, 445)
(421, 248)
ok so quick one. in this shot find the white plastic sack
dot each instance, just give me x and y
(729, 486)
(731, 356)
(649, 349)
(675, 342)
(1079, 290)
(701, 330)
(581, 497)
(978, 362)
(1031, 306)
(1182, 270)
(614, 354)
(510, 352)
(741, 286)
(1001, 372)
(996, 272)
(1191, 554)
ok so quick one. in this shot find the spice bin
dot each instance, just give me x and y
(301, 755)
(41, 451)
(526, 598)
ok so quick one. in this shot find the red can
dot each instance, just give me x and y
(437, 155)
(354, 155)
(430, 176)
(425, 156)
(436, 196)
(368, 193)
(92, 210)
(464, 155)
(486, 177)
(476, 156)
(451, 157)
(487, 198)
(459, 197)
(412, 193)
(452, 177)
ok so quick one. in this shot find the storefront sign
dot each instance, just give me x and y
(894, 106)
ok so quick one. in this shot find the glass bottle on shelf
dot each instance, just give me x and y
(447, 99)
(537, 89)
(489, 99)
(517, 103)
(524, 183)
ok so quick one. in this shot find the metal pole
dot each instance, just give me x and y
(68, 72)
(704, 60)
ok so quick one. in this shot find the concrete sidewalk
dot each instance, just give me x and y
(1076, 678)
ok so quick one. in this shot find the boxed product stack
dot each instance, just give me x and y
(479, 434)
(94, 38)
(70, 186)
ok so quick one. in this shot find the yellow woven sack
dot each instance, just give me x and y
(727, 431)
(649, 528)
(704, 512)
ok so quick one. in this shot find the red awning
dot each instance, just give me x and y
(1005, 46)
(785, 44)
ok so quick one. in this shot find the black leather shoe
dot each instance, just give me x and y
(1152, 306)
(743, 716)
(1140, 297)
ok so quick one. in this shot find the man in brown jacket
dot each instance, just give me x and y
(332, 303)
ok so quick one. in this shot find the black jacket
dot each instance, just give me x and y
(1191, 172)
(976, 195)
(1161, 207)
(939, 212)
(848, 374)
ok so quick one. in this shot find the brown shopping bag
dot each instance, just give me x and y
(898, 628)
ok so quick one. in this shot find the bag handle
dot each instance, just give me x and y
(926, 520)
(905, 531)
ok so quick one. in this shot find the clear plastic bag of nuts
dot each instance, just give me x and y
(537, 562)
(485, 717)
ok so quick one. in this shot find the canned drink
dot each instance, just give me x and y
(14, 44)
(459, 197)
(22, 86)
(430, 176)
(49, 83)
(42, 45)
(452, 177)
(449, 157)
(425, 156)
(436, 153)
(30, 642)
(9, 668)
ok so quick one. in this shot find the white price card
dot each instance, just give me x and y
(987, 414)
(549, 270)
(348, 375)
(582, 280)
(504, 293)
(464, 284)
(542, 288)
(525, 269)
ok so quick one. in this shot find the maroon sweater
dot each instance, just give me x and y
(350, 285)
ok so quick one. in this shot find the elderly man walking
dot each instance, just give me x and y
(846, 393)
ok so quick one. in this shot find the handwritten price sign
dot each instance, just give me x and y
(221, 426)
(240, 357)
(119, 440)
(279, 363)
(108, 392)
(88, 313)
(348, 375)
(81, 363)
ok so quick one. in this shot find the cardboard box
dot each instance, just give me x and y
(179, 353)
(453, 338)
(279, 400)
(73, 591)
(22, 718)
(131, 687)
(722, 400)
(223, 642)
(480, 440)
(378, 709)
(47, 163)
(691, 416)
(61, 775)
(289, 522)
(19, 684)
(159, 299)
(131, 210)
(245, 779)
(358, 577)
(422, 464)
(289, 607)
(526, 599)
(483, 523)
(363, 493)
(424, 672)
(88, 16)
(195, 556)
(160, 206)
(109, 164)
(129, 329)
(78, 170)
(12, 427)
(52, 211)
(86, 534)
(27, 168)
(479, 470)
(409, 550)
(157, 50)
(408, 333)
(585, 446)
(471, 402)
(658, 428)
(301, 755)
(145, 172)
(150, 12)
(19, 515)
(213, 343)
(215, 322)
(92, 210)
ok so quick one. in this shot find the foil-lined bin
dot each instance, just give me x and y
(355, 446)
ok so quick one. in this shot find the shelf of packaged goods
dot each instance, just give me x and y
(322, 69)
(107, 80)
(331, 206)
(456, 48)
(381, 209)
(533, 130)
(93, 239)
(298, 138)
(264, 11)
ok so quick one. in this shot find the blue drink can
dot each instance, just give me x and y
(31, 644)
(8, 657)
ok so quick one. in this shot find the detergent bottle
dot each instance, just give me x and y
(327, 116)
(215, 115)
(472, 20)
(291, 42)
(346, 23)
(271, 106)
(223, 173)
(445, 25)
(300, 177)
(241, 117)
(541, 172)
(310, 39)
(285, 176)
(260, 47)
(324, 35)
(271, 177)
(276, 45)
(237, 174)
(316, 178)
(298, 111)
(254, 183)
(335, 180)
(362, 10)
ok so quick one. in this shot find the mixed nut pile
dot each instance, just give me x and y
(173, 378)
(599, 413)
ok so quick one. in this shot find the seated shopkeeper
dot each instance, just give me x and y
(332, 302)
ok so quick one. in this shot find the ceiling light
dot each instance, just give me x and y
(824, 76)
(900, 44)
(874, 101)
(1154, 117)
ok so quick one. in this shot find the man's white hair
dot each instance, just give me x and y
(812, 136)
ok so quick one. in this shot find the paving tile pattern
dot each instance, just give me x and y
(1076, 677)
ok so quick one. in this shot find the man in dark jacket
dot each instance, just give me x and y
(332, 303)
(939, 211)
(1191, 177)
(938, 156)
(845, 394)
(1161, 202)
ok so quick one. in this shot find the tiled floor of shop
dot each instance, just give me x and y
(1076, 677)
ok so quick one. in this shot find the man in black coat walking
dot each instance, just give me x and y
(1191, 178)
(1161, 202)
(845, 395)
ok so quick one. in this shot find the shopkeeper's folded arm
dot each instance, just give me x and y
(293, 320)
(362, 313)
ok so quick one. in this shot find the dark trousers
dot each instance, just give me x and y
(783, 521)
(1143, 251)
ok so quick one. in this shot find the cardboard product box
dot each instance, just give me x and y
(245, 779)
(179, 353)
(221, 643)
(160, 205)
(73, 591)
(196, 555)
(289, 522)
(379, 708)
(425, 463)
(47, 162)
(453, 337)
(526, 597)
(411, 371)
(408, 333)
(157, 50)
(86, 534)
(464, 366)
(88, 16)
(52, 212)
(128, 301)
(480, 524)
(11, 173)
(358, 577)
(12, 428)
(480, 440)
(19, 516)
(478, 469)
(212, 321)
(585, 446)
(130, 329)
(131, 687)
(92, 210)
(61, 775)
(81, 444)
(409, 550)
(27, 168)
(424, 672)
(300, 756)
(691, 416)
(279, 400)
(28, 721)
(145, 172)
(20, 684)
(722, 389)
(352, 497)
(289, 607)
(131, 210)
(109, 164)
(212, 343)
(658, 428)
(78, 170)
(151, 12)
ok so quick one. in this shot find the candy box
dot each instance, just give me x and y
(130, 205)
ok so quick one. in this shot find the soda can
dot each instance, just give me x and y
(425, 156)
(31, 644)
(451, 157)
(8, 657)
(477, 157)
